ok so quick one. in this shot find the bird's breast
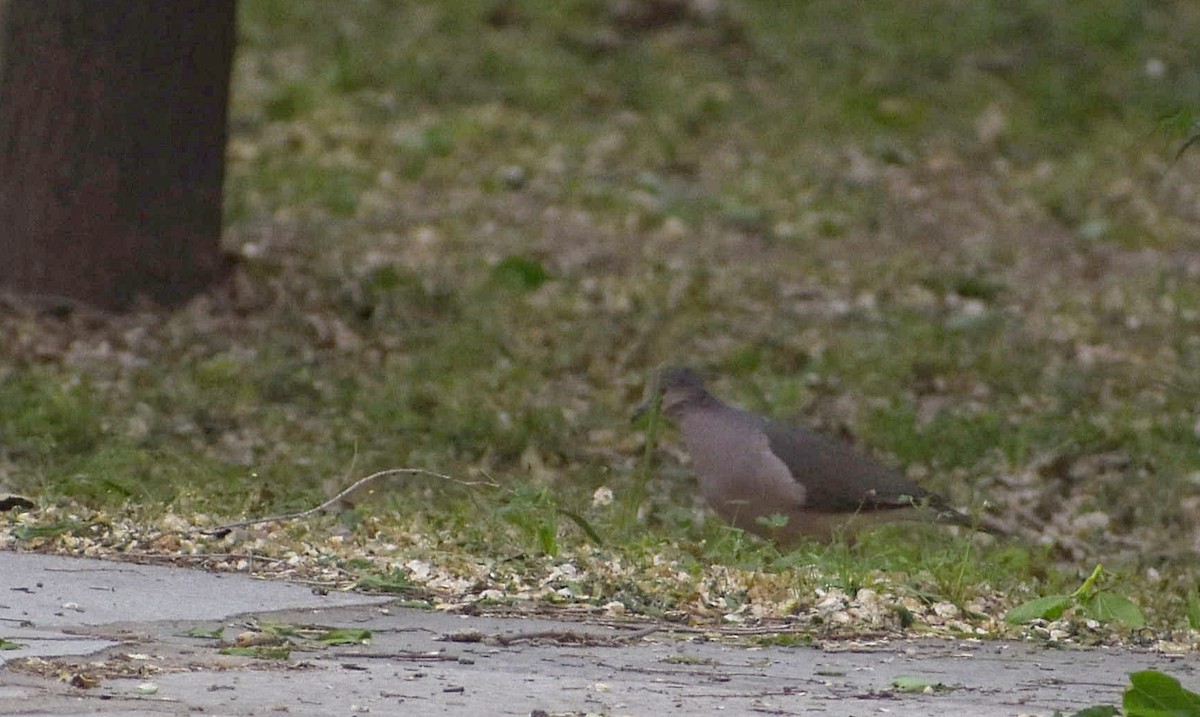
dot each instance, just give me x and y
(735, 467)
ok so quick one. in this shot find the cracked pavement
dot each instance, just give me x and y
(111, 638)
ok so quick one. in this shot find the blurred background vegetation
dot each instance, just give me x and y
(469, 231)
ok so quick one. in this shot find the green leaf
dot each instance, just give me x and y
(384, 279)
(200, 631)
(1153, 694)
(345, 636)
(904, 683)
(1098, 711)
(1089, 586)
(1193, 609)
(278, 629)
(585, 526)
(53, 530)
(1050, 607)
(547, 534)
(9, 645)
(520, 273)
(1110, 607)
(396, 581)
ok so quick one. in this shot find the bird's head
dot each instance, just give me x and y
(678, 388)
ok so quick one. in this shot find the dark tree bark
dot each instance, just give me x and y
(112, 147)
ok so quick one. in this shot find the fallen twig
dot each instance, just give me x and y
(401, 655)
(562, 637)
(223, 529)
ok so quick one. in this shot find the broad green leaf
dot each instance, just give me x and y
(345, 636)
(906, 683)
(396, 581)
(1050, 607)
(281, 629)
(53, 530)
(200, 631)
(1153, 694)
(1089, 585)
(1098, 711)
(1110, 607)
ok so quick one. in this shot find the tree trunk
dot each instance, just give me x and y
(112, 147)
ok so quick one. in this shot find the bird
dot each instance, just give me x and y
(781, 481)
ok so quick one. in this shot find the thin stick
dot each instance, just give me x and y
(567, 637)
(401, 655)
(222, 529)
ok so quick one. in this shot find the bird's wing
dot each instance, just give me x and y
(836, 477)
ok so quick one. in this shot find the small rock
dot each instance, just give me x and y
(513, 176)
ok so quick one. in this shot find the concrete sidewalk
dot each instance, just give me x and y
(127, 624)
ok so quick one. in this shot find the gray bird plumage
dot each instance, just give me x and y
(752, 468)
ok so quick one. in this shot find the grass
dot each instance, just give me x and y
(469, 231)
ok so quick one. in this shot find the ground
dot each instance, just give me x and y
(99, 637)
(467, 234)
